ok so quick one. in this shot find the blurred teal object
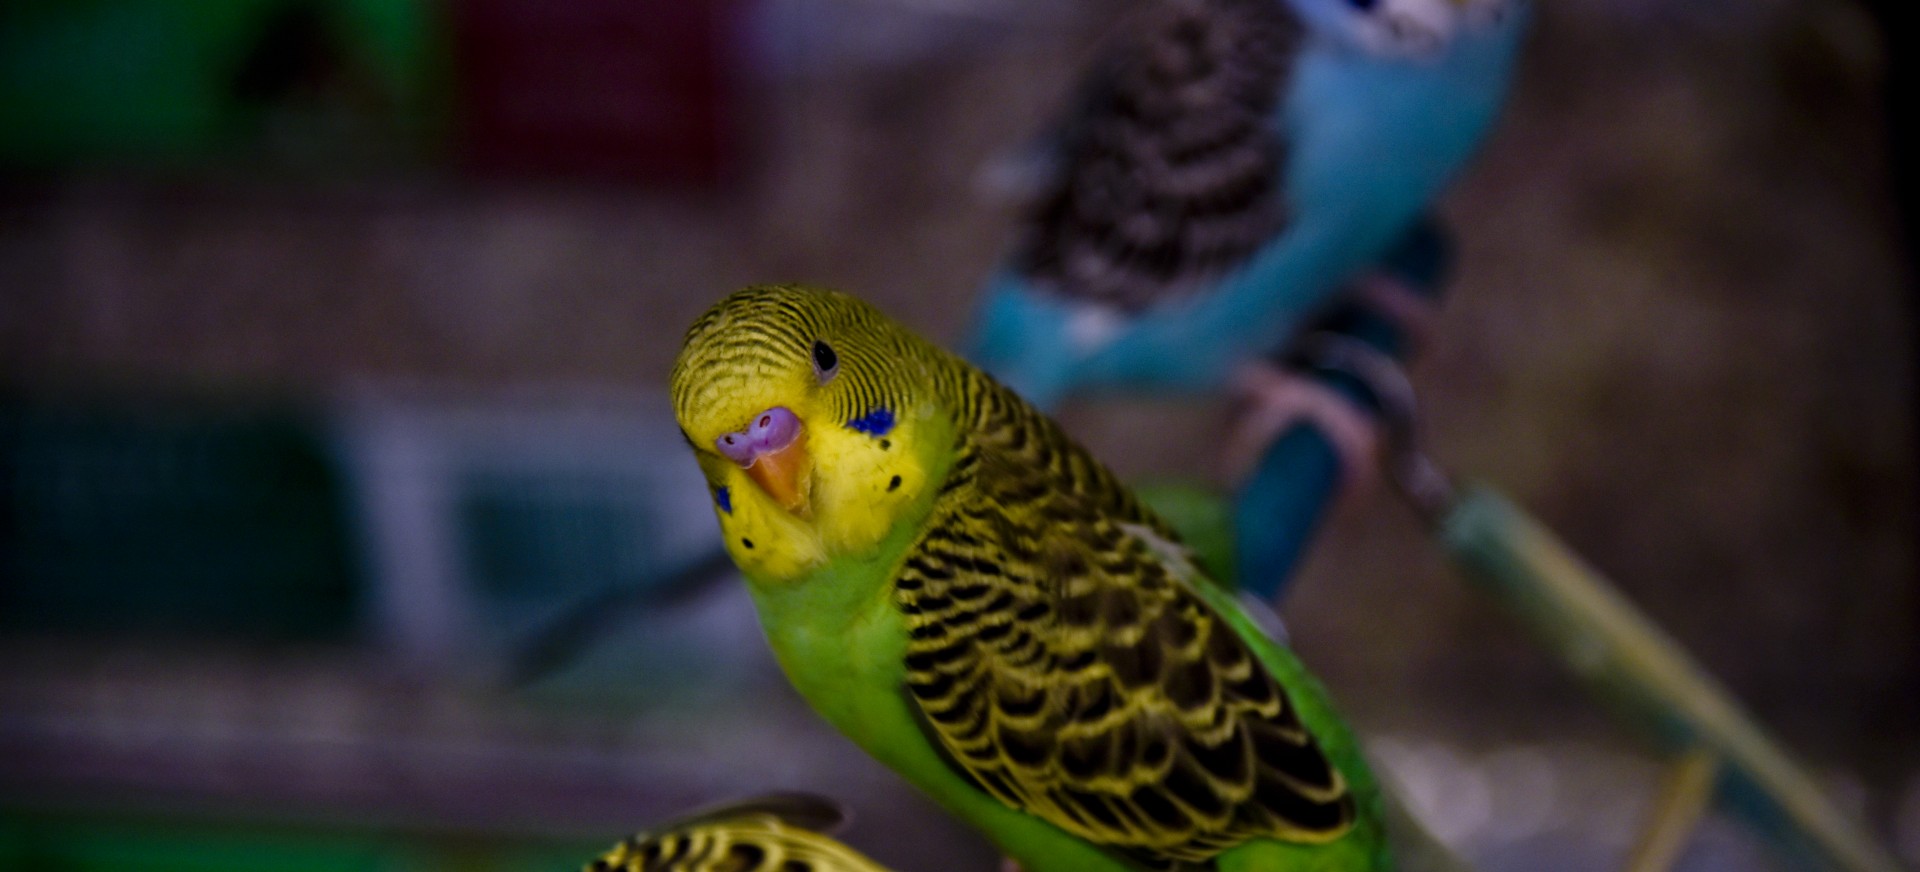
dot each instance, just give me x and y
(527, 536)
(1293, 488)
(173, 519)
(152, 81)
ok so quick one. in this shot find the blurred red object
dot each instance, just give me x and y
(597, 89)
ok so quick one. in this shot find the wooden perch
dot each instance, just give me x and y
(1625, 658)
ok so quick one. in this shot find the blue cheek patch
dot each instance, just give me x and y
(723, 499)
(878, 422)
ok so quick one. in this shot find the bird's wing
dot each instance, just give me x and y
(1062, 659)
(1168, 172)
(783, 832)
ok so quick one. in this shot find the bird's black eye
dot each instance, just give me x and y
(1363, 5)
(825, 362)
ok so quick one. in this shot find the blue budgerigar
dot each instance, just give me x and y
(1228, 165)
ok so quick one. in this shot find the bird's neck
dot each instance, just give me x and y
(996, 427)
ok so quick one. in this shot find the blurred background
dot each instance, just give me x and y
(333, 338)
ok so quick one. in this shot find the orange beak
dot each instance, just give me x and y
(786, 475)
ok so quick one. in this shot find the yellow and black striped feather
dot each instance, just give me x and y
(774, 833)
(1064, 662)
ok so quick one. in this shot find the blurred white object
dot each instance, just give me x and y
(483, 516)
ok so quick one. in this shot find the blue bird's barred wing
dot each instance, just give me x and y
(1169, 173)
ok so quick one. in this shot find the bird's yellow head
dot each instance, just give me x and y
(815, 421)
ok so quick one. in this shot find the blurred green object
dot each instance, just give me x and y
(39, 842)
(176, 520)
(1204, 518)
(1629, 661)
(154, 81)
(77, 847)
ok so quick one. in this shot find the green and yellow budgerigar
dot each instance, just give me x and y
(785, 832)
(976, 601)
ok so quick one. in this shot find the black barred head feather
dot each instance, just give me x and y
(759, 346)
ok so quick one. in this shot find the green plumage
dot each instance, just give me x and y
(1025, 641)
